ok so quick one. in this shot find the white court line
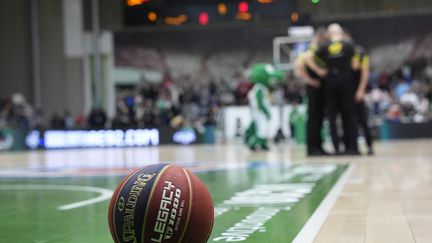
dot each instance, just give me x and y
(311, 228)
(105, 194)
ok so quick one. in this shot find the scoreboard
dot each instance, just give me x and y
(207, 12)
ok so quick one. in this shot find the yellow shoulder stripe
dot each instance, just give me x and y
(365, 61)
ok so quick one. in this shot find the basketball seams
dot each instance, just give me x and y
(183, 232)
(160, 173)
(190, 206)
(122, 183)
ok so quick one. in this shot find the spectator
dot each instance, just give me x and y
(57, 122)
(409, 102)
(428, 94)
(428, 73)
(146, 114)
(293, 94)
(401, 88)
(97, 119)
(241, 90)
(80, 121)
(394, 113)
(68, 120)
(375, 98)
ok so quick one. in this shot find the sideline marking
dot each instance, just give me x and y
(105, 194)
(313, 225)
(80, 171)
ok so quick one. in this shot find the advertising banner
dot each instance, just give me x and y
(63, 139)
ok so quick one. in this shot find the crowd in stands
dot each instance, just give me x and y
(167, 104)
(403, 96)
(400, 86)
(188, 103)
(198, 85)
(16, 111)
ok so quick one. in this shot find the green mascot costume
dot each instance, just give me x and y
(262, 76)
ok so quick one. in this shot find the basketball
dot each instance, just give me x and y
(161, 203)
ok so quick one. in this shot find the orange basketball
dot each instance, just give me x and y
(161, 203)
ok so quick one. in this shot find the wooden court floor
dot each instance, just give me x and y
(386, 198)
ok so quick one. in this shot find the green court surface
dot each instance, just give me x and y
(256, 204)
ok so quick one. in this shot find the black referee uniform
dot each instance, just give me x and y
(339, 91)
(315, 110)
(362, 111)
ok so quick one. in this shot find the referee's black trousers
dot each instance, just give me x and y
(339, 96)
(363, 122)
(315, 119)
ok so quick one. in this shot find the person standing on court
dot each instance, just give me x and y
(338, 56)
(361, 77)
(315, 94)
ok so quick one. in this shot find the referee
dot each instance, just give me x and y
(338, 56)
(361, 77)
(315, 94)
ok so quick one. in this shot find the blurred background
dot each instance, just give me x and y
(180, 68)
